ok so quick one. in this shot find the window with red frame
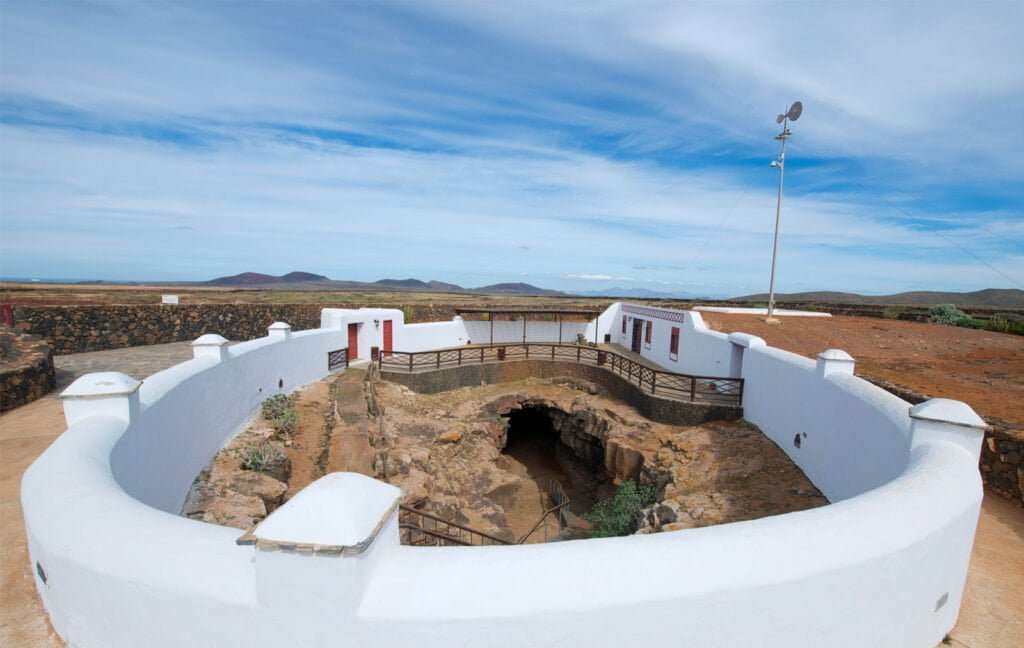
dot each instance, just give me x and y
(647, 334)
(673, 345)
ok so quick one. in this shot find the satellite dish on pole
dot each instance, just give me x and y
(778, 120)
(794, 111)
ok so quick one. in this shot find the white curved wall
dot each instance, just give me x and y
(868, 570)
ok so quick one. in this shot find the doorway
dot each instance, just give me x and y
(353, 341)
(388, 338)
(638, 331)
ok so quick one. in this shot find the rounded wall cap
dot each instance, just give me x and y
(835, 355)
(210, 339)
(746, 340)
(280, 326)
(101, 384)
(945, 410)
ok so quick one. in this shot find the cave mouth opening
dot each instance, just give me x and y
(536, 445)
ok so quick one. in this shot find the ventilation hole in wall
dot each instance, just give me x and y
(942, 601)
(805, 435)
(41, 572)
(280, 383)
(796, 440)
(261, 390)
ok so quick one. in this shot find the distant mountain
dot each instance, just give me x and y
(408, 284)
(309, 281)
(244, 279)
(990, 297)
(294, 277)
(633, 293)
(440, 286)
(516, 289)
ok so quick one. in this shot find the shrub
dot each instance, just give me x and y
(261, 457)
(947, 314)
(619, 515)
(998, 324)
(970, 322)
(275, 406)
(285, 424)
(891, 313)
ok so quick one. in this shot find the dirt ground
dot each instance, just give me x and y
(981, 368)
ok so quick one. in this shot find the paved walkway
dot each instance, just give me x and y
(990, 616)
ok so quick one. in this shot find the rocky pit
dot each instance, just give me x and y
(485, 456)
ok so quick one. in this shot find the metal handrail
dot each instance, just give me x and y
(656, 382)
(408, 512)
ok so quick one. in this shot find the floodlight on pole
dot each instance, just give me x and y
(792, 114)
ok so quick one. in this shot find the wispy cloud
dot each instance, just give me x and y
(469, 142)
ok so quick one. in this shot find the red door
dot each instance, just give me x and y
(353, 341)
(388, 339)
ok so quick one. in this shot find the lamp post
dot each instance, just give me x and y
(791, 115)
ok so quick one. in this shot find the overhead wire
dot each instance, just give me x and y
(917, 221)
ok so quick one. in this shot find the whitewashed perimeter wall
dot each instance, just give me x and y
(512, 332)
(882, 567)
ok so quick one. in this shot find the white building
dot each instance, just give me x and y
(883, 565)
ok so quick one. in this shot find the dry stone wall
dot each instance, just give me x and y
(26, 369)
(77, 329)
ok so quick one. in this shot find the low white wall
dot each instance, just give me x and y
(431, 335)
(405, 337)
(854, 436)
(480, 331)
(189, 411)
(885, 566)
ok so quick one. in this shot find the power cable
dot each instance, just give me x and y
(919, 222)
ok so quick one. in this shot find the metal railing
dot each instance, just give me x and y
(337, 359)
(560, 508)
(422, 529)
(663, 384)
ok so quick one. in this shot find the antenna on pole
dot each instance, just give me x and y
(792, 114)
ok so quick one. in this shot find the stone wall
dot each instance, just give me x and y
(661, 410)
(77, 329)
(26, 369)
(1001, 464)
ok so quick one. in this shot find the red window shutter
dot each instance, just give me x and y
(647, 333)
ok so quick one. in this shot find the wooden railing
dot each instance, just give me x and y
(663, 384)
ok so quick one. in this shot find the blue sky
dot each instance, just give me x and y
(575, 146)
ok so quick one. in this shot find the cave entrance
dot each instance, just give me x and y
(536, 450)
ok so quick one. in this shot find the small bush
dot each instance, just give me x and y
(285, 424)
(891, 313)
(275, 406)
(947, 314)
(618, 515)
(998, 324)
(970, 322)
(261, 457)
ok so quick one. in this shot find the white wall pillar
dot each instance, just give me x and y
(942, 419)
(740, 342)
(834, 361)
(107, 393)
(279, 330)
(210, 345)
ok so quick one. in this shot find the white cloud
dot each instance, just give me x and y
(488, 157)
